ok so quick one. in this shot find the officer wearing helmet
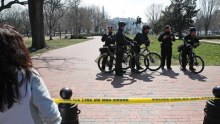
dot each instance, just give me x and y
(190, 41)
(109, 40)
(121, 42)
(141, 38)
(166, 40)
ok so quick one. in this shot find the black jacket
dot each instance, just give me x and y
(109, 39)
(121, 39)
(188, 39)
(169, 37)
(142, 38)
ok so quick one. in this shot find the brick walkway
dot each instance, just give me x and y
(74, 67)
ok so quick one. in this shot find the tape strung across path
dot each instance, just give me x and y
(131, 100)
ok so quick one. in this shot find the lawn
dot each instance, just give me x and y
(54, 44)
(208, 51)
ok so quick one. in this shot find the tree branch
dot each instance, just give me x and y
(8, 5)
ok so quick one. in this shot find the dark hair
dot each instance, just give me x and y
(14, 56)
(167, 27)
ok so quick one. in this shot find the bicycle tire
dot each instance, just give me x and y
(143, 66)
(197, 64)
(107, 63)
(126, 60)
(154, 61)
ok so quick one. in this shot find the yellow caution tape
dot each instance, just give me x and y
(130, 100)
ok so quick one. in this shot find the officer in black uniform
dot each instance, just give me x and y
(166, 46)
(141, 38)
(109, 40)
(121, 42)
(190, 42)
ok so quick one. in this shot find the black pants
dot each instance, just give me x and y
(166, 55)
(186, 52)
(119, 59)
(110, 61)
(133, 62)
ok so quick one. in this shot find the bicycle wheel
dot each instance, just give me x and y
(106, 63)
(125, 60)
(139, 63)
(154, 61)
(198, 64)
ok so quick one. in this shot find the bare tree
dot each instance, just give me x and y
(98, 18)
(199, 22)
(26, 26)
(8, 5)
(208, 7)
(37, 23)
(53, 11)
(153, 13)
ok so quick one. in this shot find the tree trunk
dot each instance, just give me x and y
(60, 30)
(37, 23)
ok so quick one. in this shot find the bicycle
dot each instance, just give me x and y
(128, 57)
(153, 58)
(138, 62)
(198, 63)
(107, 59)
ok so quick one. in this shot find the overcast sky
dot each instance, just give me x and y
(125, 8)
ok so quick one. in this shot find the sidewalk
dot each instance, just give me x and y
(74, 67)
(215, 41)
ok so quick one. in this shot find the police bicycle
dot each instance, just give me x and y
(198, 63)
(106, 61)
(153, 58)
(136, 61)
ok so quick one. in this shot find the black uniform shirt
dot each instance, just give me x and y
(168, 40)
(142, 38)
(188, 39)
(109, 39)
(121, 39)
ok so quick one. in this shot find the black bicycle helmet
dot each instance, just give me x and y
(121, 24)
(146, 27)
(192, 29)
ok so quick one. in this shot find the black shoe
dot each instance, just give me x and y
(139, 68)
(119, 74)
(169, 68)
(192, 69)
(182, 69)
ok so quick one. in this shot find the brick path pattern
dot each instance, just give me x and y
(75, 67)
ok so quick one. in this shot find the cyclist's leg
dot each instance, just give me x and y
(104, 62)
(184, 59)
(163, 56)
(191, 61)
(137, 63)
(169, 56)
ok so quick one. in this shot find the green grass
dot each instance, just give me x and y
(208, 51)
(54, 44)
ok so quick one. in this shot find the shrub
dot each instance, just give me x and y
(78, 37)
(209, 37)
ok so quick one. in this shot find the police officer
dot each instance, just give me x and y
(166, 47)
(109, 40)
(121, 42)
(141, 38)
(190, 42)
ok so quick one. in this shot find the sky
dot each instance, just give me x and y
(125, 8)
